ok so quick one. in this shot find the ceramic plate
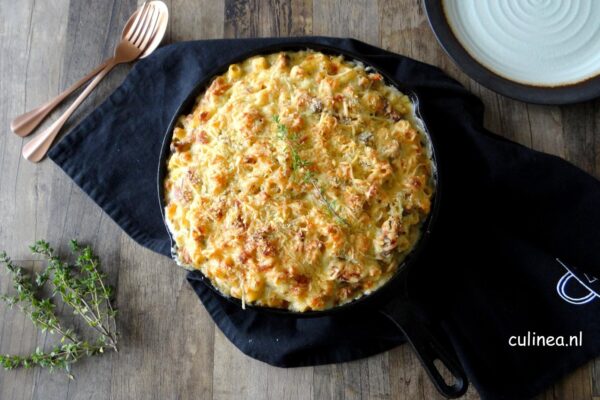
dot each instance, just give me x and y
(538, 51)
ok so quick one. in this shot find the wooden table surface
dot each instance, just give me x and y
(169, 346)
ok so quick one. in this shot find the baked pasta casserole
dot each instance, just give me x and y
(299, 180)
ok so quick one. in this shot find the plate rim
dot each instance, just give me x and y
(578, 92)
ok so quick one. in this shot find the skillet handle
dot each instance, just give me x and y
(428, 349)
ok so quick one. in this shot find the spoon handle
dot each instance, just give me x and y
(25, 123)
(37, 148)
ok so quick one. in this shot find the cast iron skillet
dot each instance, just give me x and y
(406, 315)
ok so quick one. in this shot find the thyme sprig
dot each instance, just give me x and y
(301, 165)
(81, 287)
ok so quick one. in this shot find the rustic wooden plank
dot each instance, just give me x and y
(514, 121)
(379, 380)
(250, 376)
(580, 124)
(356, 379)
(237, 376)
(166, 338)
(226, 358)
(360, 379)
(397, 27)
(19, 76)
(253, 378)
(82, 221)
(546, 129)
(285, 18)
(540, 127)
(328, 382)
(579, 135)
(526, 124)
(358, 19)
(406, 374)
(91, 33)
(407, 377)
(241, 18)
(194, 20)
(575, 386)
(405, 30)
(93, 376)
(566, 131)
(167, 333)
(18, 336)
(30, 71)
(363, 378)
(300, 20)
(596, 377)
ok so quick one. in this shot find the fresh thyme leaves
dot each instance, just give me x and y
(329, 205)
(81, 287)
(298, 162)
(301, 165)
(281, 129)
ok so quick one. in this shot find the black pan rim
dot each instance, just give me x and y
(378, 295)
(558, 95)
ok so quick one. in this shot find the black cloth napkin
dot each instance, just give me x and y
(515, 250)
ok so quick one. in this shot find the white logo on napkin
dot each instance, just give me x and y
(583, 279)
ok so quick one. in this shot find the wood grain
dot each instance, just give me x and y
(170, 347)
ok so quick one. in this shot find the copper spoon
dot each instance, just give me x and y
(26, 123)
(148, 25)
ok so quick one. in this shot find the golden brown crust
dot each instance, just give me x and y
(300, 180)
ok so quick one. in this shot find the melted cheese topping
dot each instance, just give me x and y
(300, 180)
